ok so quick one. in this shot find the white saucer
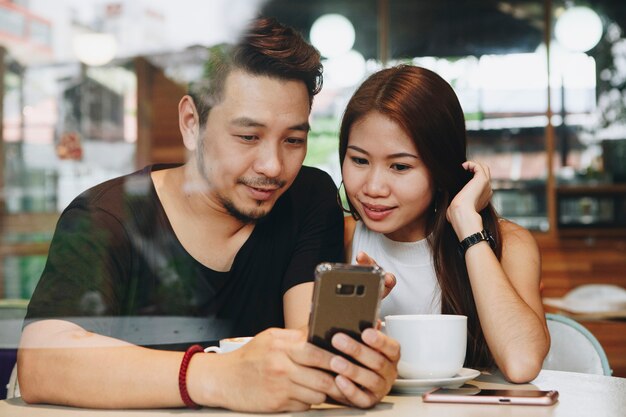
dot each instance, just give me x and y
(418, 386)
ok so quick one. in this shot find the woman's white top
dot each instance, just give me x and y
(417, 290)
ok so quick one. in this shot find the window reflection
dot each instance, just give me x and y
(67, 126)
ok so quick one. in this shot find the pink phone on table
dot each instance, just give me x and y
(475, 395)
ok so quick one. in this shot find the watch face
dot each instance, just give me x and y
(490, 239)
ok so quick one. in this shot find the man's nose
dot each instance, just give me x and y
(269, 161)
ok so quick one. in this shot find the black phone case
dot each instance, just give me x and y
(346, 299)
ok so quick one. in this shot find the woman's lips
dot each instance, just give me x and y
(376, 212)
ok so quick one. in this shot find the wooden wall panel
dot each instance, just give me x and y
(158, 135)
(3, 70)
(569, 262)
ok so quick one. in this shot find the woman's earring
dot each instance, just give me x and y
(339, 201)
(436, 200)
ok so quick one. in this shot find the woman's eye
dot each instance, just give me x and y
(247, 138)
(400, 167)
(359, 161)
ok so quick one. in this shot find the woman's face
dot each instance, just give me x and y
(386, 179)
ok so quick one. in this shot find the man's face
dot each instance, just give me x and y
(254, 143)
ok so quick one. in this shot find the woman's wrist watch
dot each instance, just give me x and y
(471, 240)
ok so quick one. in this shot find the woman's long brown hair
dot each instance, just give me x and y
(428, 110)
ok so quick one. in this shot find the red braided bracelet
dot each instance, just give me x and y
(182, 376)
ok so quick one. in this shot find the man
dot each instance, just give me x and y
(230, 238)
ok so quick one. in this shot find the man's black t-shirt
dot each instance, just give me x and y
(116, 267)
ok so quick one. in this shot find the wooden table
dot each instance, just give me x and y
(580, 395)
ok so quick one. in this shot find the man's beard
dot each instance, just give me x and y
(251, 216)
(247, 218)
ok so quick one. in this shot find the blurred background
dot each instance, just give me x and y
(89, 91)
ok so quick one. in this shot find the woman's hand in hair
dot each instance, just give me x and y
(463, 212)
(390, 279)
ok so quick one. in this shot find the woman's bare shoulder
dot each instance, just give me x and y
(514, 235)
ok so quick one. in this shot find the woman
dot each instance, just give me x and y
(414, 198)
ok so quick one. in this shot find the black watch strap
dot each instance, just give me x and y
(471, 240)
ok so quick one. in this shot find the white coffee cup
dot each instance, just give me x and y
(432, 346)
(229, 344)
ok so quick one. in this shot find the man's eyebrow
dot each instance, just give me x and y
(246, 122)
(249, 122)
(305, 127)
(393, 155)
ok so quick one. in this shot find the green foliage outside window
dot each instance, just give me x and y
(323, 144)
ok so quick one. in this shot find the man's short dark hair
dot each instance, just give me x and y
(267, 48)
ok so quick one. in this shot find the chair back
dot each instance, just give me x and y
(573, 348)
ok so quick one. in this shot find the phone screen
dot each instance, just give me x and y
(492, 392)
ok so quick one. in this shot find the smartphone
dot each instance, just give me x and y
(346, 298)
(491, 396)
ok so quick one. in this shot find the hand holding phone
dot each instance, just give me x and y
(346, 298)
